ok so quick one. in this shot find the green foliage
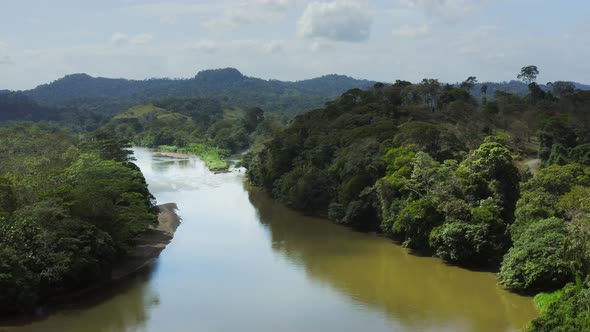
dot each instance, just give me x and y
(542, 301)
(305, 189)
(528, 74)
(213, 157)
(416, 220)
(455, 210)
(539, 258)
(253, 117)
(566, 310)
(542, 194)
(69, 207)
(465, 243)
(196, 126)
(435, 140)
(343, 143)
(86, 93)
(18, 106)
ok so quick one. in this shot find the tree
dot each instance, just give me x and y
(489, 172)
(469, 83)
(528, 74)
(538, 261)
(484, 91)
(569, 312)
(563, 89)
(252, 118)
(7, 197)
(430, 90)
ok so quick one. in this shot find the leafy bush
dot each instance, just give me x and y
(539, 258)
(569, 311)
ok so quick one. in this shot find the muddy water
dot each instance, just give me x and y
(242, 262)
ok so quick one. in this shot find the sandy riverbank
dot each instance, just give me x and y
(173, 154)
(150, 244)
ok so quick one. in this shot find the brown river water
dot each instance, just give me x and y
(243, 262)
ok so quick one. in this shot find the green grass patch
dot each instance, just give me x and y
(542, 301)
(141, 111)
(213, 157)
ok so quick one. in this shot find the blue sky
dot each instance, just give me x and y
(41, 41)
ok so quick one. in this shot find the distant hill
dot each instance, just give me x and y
(229, 85)
(233, 89)
(515, 87)
(18, 106)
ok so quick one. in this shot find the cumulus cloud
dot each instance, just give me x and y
(407, 31)
(206, 46)
(259, 11)
(122, 39)
(340, 20)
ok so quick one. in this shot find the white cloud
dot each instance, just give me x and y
(206, 46)
(340, 20)
(259, 11)
(121, 39)
(407, 31)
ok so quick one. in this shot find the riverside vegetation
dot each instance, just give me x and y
(431, 165)
(69, 208)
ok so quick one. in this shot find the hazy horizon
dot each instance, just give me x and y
(293, 40)
(245, 74)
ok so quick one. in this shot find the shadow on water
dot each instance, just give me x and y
(123, 312)
(419, 292)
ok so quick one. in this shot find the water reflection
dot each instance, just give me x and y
(164, 164)
(242, 262)
(421, 292)
(123, 307)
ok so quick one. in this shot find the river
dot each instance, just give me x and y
(243, 262)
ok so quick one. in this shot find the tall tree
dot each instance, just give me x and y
(562, 89)
(528, 74)
(484, 91)
(469, 83)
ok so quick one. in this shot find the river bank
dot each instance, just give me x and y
(246, 262)
(215, 158)
(145, 250)
(150, 244)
